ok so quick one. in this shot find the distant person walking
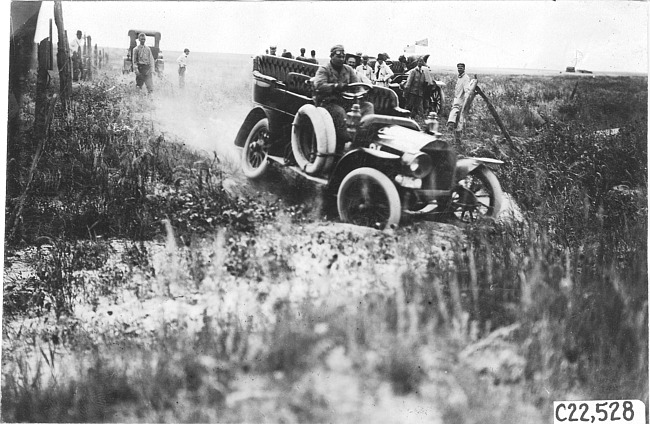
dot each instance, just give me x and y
(143, 63)
(75, 54)
(460, 94)
(313, 59)
(182, 66)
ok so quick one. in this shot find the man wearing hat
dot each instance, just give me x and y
(75, 54)
(182, 65)
(382, 71)
(272, 50)
(418, 80)
(143, 64)
(460, 94)
(330, 81)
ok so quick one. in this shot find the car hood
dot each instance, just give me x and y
(406, 140)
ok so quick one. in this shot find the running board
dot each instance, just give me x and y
(424, 211)
(294, 168)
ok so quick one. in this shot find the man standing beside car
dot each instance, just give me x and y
(414, 90)
(182, 65)
(143, 63)
(330, 81)
(460, 94)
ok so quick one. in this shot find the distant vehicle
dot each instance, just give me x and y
(155, 51)
(570, 68)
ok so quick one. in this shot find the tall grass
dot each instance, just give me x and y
(250, 312)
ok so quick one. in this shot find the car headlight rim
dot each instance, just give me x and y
(419, 165)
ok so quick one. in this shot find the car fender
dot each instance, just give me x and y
(357, 158)
(251, 119)
(466, 165)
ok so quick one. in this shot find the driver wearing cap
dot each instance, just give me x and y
(330, 81)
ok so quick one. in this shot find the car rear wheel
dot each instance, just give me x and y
(369, 198)
(437, 100)
(313, 139)
(254, 160)
(477, 195)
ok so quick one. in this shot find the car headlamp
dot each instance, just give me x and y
(418, 164)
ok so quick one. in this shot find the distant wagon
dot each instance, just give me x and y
(155, 50)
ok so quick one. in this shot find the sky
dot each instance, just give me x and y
(609, 35)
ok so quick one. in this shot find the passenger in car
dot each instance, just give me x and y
(330, 81)
(272, 50)
(313, 59)
(366, 70)
(302, 55)
(382, 71)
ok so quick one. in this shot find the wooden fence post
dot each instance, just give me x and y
(90, 58)
(42, 82)
(50, 59)
(63, 57)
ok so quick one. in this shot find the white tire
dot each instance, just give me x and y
(313, 139)
(369, 198)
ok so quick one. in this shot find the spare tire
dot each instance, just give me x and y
(313, 139)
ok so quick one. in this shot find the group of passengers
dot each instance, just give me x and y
(414, 88)
(273, 52)
(333, 78)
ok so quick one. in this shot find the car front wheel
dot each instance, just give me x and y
(477, 195)
(369, 198)
(254, 159)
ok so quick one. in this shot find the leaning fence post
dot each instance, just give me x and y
(494, 113)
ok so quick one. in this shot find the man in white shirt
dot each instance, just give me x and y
(460, 94)
(182, 65)
(143, 64)
(382, 71)
(75, 54)
(366, 70)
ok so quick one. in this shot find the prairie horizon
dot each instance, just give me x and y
(240, 58)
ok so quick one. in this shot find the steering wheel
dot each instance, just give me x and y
(356, 90)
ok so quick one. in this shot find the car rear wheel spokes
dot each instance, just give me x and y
(254, 156)
(477, 195)
(367, 197)
(436, 100)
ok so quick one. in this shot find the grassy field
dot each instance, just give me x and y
(134, 293)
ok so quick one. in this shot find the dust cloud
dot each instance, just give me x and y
(206, 128)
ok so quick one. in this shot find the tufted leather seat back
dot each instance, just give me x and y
(384, 99)
(294, 74)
